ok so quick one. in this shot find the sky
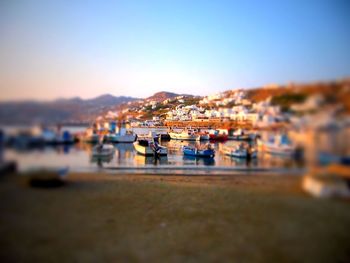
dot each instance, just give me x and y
(68, 48)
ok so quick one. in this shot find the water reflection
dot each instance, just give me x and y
(100, 161)
(141, 160)
(193, 160)
(80, 156)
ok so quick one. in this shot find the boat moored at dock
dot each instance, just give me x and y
(208, 151)
(150, 148)
(240, 151)
(103, 150)
(239, 135)
(122, 136)
(279, 145)
(218, 135)
(185, 135)
(91, 136)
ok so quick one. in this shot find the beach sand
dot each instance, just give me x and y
(150, 218)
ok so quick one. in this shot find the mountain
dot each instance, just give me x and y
(60, 110)
(163, 95)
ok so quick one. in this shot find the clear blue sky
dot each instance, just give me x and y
(53, 49)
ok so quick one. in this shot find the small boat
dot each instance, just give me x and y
(197, 152)
(185, 135)
(123, 136)
(91, 136)
(218, 135)
(149, 147)
(239, 135)
(103, 150)
(280, 145)
(240, 151)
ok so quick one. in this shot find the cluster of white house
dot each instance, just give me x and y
(215, 107)
(258, 114)
(225, 98)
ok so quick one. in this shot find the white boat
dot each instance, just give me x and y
(103, 150)
(239, 135)
(148, 148)
(122, 136)
(279, 144)
(185, 135)
(240, 152)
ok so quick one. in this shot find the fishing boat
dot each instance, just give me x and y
(197, 152)
(149, 147)
(280, 145)
(218, 135)
(185, 135)
(239, 135)
(103, 150)
(240, 151)
(121, 136)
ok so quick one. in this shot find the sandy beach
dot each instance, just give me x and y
(150, 218)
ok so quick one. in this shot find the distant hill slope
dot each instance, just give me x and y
(334, 92)
(163, 95)
(61, 110)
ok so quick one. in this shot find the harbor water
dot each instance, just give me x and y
(78, 157)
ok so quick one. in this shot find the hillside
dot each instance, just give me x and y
(162, 95)
(335, 92)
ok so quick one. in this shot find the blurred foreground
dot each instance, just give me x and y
(113, 218)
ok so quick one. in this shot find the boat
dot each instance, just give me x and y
(203, 136)
(218, 135)
(280, 145)
(239, 135)
(103, 150)
(121, 136)
(149, 147)
(240, 151)
(185, 135)
(197, 152)
(91, 136)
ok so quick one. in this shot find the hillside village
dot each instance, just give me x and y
(262, 107)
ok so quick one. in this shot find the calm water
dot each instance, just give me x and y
(78, 157)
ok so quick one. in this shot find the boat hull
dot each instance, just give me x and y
(198, 153)
(148, 151)
(184, 137)
(240, 154)
(244, 137)
(128, 138)
(220, 137)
